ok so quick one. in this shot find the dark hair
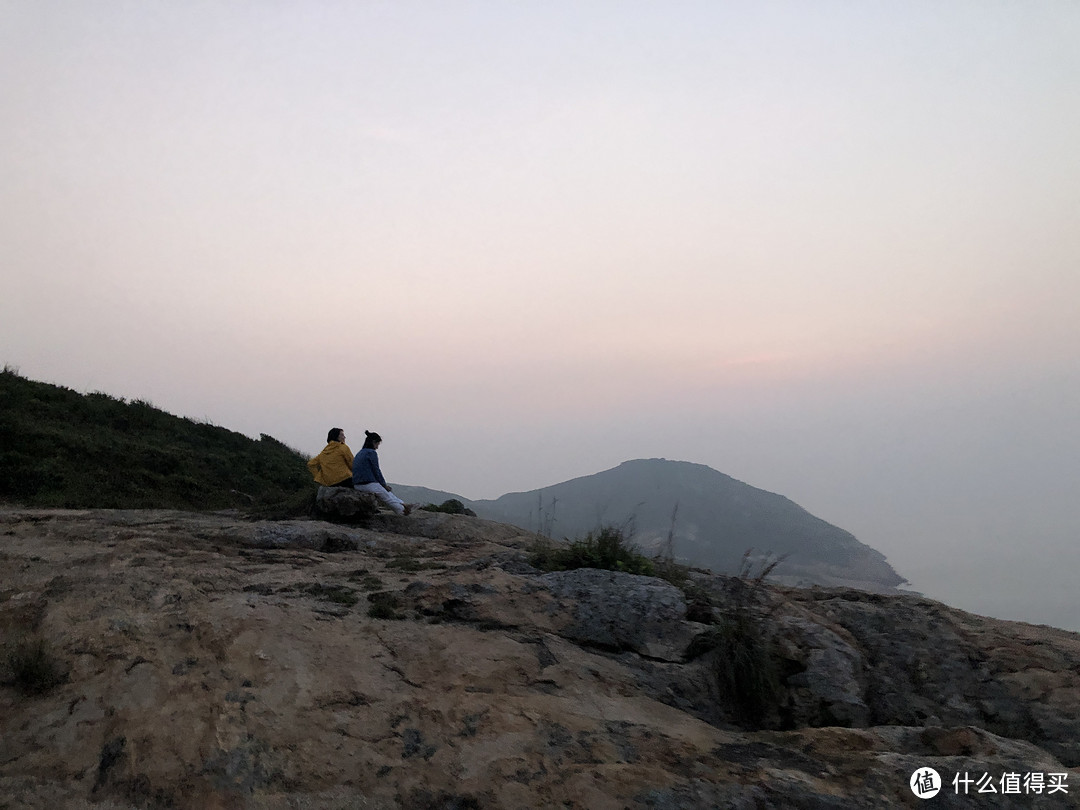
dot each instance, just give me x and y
(371, 440)
(332, 436)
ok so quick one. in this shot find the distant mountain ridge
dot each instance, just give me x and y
(713, 520)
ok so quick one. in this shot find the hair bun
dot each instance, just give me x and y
(367, 432)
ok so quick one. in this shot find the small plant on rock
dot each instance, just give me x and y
(384, 605)
(742, 649)
(450, 507)
(607, 548)
(338, 594)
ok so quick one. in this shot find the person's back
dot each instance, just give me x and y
(333, 466)
(367, 477)
(365, 468)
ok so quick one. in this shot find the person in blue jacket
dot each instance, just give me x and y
(367, 477)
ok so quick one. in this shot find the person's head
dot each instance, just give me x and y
(372, 441)
(335, 435)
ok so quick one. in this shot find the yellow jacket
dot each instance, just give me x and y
(333, 465)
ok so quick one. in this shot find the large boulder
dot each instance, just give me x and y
(614, 610)
(827, 687)
(344, 505)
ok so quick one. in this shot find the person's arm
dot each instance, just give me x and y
(313, 467)
(347, 453)
(378, 472)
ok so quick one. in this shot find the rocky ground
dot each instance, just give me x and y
(204, 661)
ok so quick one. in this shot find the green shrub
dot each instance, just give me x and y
(607, 549)
(450, 507)
(384, 605)
(746, 664)
(365, 579)
(742, 651)
(338, 594)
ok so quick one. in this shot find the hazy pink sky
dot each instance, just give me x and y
(831, 249)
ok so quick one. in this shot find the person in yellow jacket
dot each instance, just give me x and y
(333, 466)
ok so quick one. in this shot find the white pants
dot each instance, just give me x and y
(384, 495)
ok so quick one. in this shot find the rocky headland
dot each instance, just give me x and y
(200, 660)
(707, 518)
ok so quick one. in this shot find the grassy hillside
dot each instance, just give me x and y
(60, 448)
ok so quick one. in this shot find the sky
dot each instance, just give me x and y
(830, 249)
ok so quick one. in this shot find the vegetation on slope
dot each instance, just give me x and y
(60, 448)
(452, 506)
(607, 549)
(740, 645)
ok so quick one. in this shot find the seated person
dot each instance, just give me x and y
(367, 477)
(333, 466)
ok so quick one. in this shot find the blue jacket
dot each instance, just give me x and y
(365, 468)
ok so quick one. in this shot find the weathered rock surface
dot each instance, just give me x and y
(345, 505)
(421, 662)
(617, 611)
